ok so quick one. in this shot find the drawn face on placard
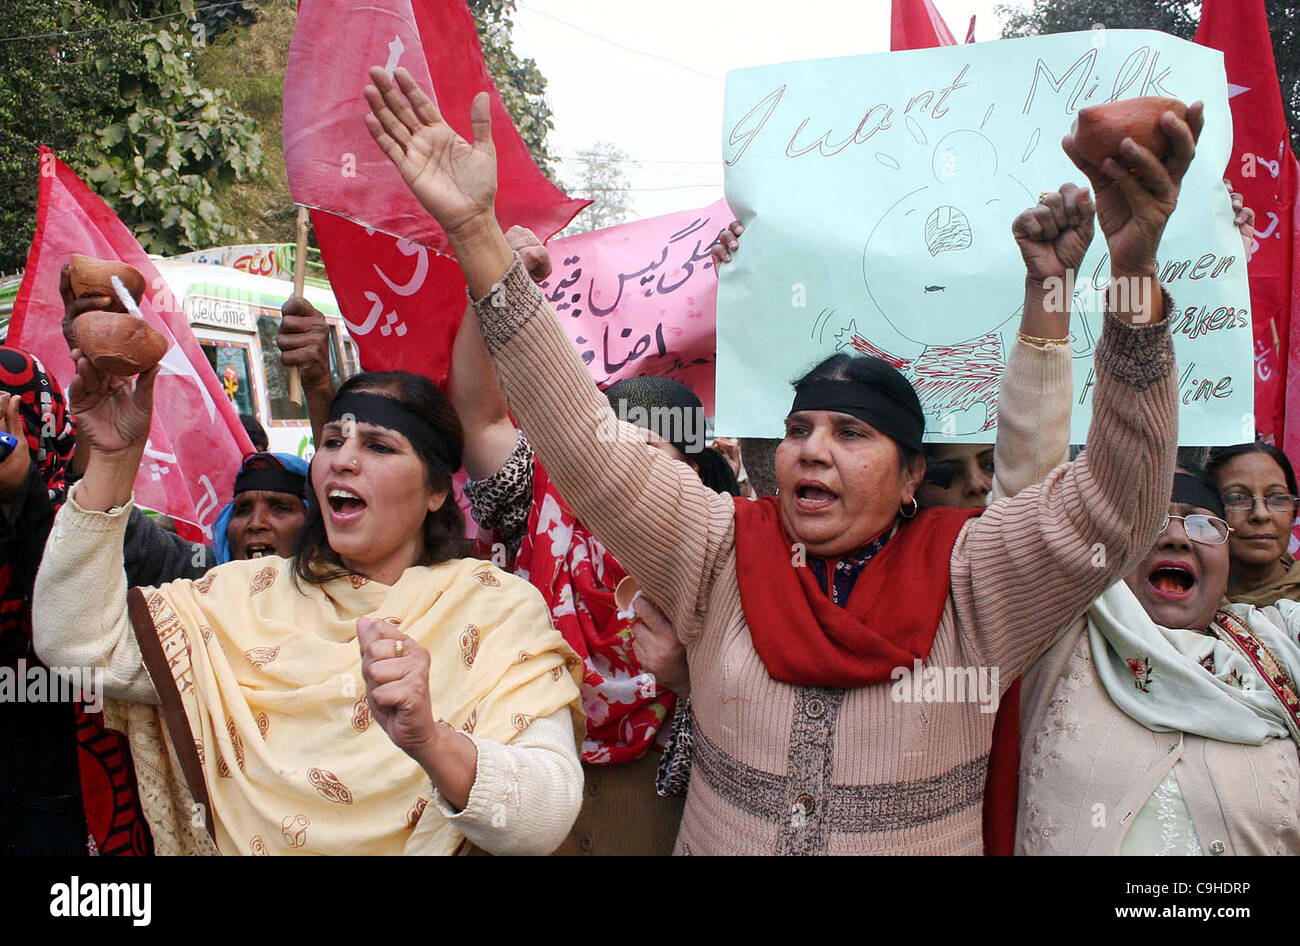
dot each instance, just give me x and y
(942, 242)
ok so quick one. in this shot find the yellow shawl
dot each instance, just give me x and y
(265, 708)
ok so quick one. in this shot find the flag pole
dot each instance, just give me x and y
(299, 281)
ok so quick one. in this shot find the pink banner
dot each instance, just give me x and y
(196, 441)
(640, 299)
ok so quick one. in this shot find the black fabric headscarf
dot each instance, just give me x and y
(876, 392)
(673, 412)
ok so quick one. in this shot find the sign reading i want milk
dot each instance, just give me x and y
(878, 193)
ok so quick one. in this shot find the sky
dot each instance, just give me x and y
(649, 77)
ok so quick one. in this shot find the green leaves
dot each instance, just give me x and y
(123, 107)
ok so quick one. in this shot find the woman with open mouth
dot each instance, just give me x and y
(375, 693)
(800, 744)
(267, 511)
(1258, 487)
(1166, 722)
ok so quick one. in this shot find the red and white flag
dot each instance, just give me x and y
(196, 441)
(381, 249)
(1263, 170)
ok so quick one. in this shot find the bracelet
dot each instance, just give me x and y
(1034, 340)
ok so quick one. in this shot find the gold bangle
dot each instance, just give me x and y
(1035, 340)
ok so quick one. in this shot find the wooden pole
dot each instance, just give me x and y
(299, 280)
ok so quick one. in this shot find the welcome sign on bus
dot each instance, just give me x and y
(878, 194)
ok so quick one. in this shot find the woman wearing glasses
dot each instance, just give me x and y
(1258, 488)
(1166, 722)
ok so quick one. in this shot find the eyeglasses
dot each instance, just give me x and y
(1244, 502)
(1205, 530)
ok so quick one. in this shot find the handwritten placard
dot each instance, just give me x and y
(639, 299)
(878, 194)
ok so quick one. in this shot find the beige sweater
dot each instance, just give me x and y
(788, 769)
(1087, 768)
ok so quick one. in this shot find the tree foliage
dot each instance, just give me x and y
(520, 82)
(1178, 17)
(113, 92)
(603, 170)
(165, 124)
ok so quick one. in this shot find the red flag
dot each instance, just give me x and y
(970, 31)
(330, 158)
(916, 24)
(196, 441)
(381, 250)
(387, 286)
(1264, 171)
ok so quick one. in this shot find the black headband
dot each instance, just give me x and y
(1193, 491)
(271, 480)
(386, 412)
(878, 404)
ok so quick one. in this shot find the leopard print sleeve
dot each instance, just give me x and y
(501, 501)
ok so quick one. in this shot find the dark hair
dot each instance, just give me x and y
(444, 529)
(256, 432)
(865, 369)
(666, 404)
(1220, 456)
(261, 461)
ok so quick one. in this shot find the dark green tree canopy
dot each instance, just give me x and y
(113, 92)
(122, 90)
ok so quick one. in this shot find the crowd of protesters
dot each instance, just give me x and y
(847, 642)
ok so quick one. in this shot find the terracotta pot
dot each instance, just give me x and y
(119, 342)
(94, 277)
(1100, 128)
(625, 592)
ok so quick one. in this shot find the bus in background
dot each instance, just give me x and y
(235, 316)
(231, 297)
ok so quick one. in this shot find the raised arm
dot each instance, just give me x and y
(473, 389)
(1031, 564)
(661, 523)
(79, 610)
(1034, 398)
(304, 342)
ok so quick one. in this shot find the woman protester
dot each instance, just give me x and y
(1165, 721)
(372, 694)
(1032, 439)
(802, 743)
(1258, 489)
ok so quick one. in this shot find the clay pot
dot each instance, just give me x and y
(1100, 128)
(119, 342)
(94, 277)
(625, 592)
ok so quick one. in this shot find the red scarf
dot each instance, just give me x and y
(804, 638)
